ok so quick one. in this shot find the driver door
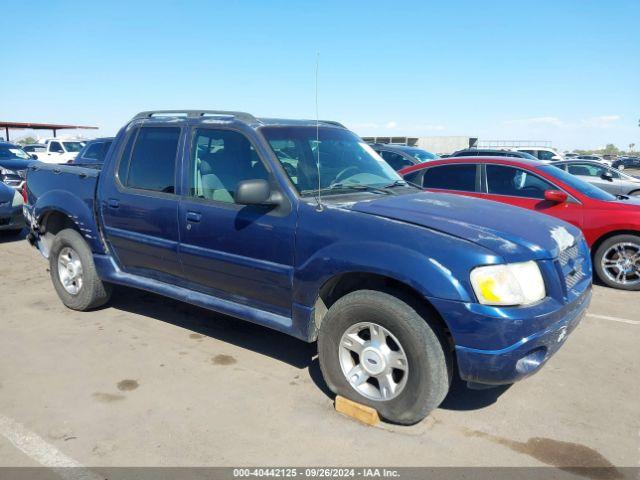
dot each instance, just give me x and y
(522, 188)
(241, 252)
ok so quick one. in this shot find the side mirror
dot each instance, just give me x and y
(607, 176)
(256, 192)
(555, 196)
(34, 156)
(556, 157)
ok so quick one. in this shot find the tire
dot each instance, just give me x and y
(629, 247)
(91, 292)
(425, 381)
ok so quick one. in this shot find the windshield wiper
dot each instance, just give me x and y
(354, 186)
(399, 183)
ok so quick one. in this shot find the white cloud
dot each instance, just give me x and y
(391, 124)
(603, 121)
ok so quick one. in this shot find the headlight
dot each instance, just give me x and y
(508, 284)
(6, 171)
(17, 199)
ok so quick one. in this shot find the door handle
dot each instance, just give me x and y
(113, 203)
(193, 217)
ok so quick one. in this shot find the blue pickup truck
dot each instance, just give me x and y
(301, 227)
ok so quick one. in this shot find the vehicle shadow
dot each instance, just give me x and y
(462, 398)
(6, 237)
(265, 341)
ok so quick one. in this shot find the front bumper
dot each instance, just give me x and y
(527, 355)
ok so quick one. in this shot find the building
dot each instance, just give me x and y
(435, 144)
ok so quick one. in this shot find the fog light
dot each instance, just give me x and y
(531, 361)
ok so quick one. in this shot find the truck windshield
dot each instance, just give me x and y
(73, 147)
(583, 187)
(9, 152)
(346, 162)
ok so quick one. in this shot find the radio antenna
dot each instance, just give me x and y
(319, 208)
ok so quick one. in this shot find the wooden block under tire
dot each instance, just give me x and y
(356, 410)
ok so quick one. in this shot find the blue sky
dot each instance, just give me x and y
(566, 71)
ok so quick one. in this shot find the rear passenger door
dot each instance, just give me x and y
(464, 179)
(139, 205)
(240, 252)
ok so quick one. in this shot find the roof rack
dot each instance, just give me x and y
(333, 122)
(243, 116)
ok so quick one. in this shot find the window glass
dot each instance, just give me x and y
(220, 159)
(531, 152)
(94, 151)
(345, 162)
(451, 177)
(123, 167)
(586, 169)
(396, 160)
(545, 155)
(580, 185)
(515, 182)
(153, 161)
(73, 146)
(55, 147)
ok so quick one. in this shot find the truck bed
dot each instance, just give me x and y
(67, 188)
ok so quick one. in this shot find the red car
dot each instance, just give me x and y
(610, 224)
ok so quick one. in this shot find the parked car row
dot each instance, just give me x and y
(611, 224)
(302, 227)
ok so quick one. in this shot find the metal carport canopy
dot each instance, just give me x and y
(41, 126)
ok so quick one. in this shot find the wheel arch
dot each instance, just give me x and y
(603, 238)
(344, 283)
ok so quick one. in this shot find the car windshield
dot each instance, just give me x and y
(10, 152)
(345, 161)
(421, 155)
(73, 146)
(583, 187)
(528, 156)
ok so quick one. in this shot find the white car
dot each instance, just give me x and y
(541, 153)
(595, 158)
(59, 151)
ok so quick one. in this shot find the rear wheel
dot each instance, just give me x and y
(376, 349)
(73, 273)
(617, 262)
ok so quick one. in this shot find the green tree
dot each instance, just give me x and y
(610, 149)
(27, 140)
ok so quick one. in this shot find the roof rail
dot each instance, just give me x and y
(332, 122)
(243, 116)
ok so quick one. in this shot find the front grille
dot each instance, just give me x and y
(4, 221)
(571, 265)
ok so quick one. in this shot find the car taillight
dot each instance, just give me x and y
(24, 192)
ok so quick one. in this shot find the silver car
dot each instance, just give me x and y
(603, 176)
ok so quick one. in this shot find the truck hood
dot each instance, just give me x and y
(514, 233)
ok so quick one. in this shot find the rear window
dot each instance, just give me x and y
(451, 177)
(153, 160)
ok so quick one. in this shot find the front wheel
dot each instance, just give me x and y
(617, 262)
(73, 273)
(376, 349)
